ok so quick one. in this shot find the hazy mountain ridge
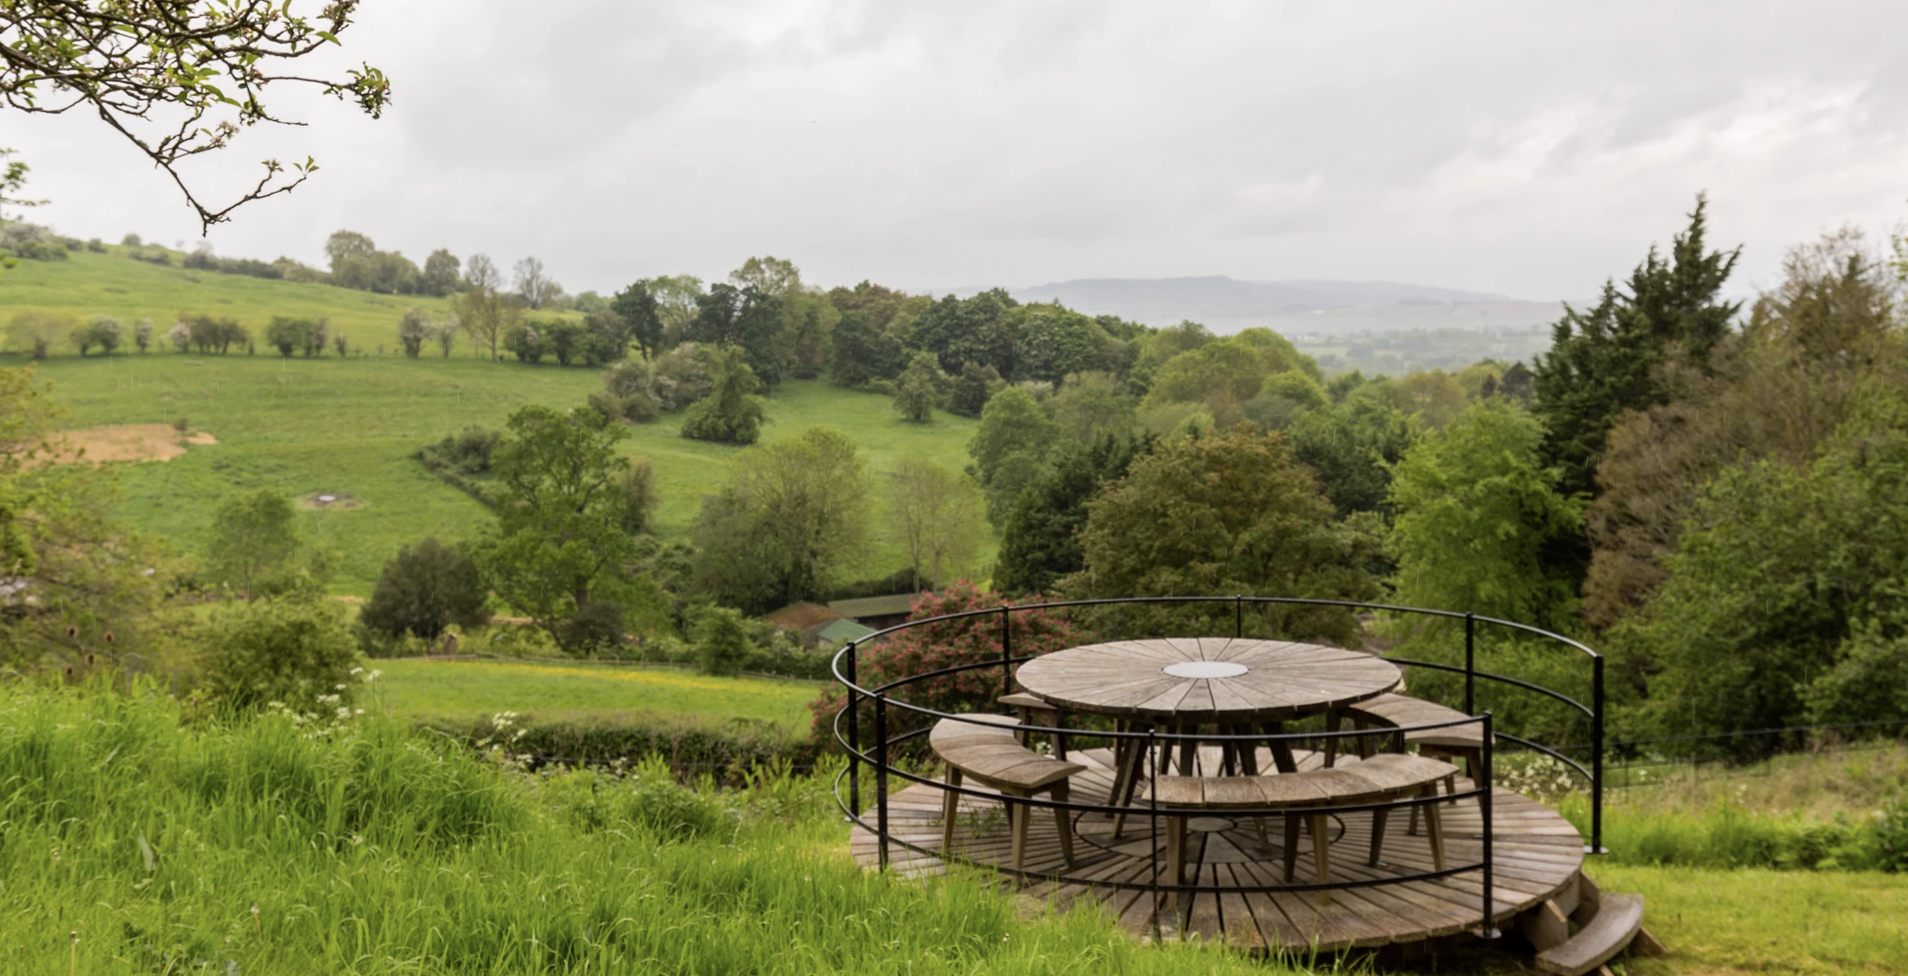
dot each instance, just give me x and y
(1295, 307)
(1164, 301)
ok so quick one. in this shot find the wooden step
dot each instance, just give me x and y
(1617, 921)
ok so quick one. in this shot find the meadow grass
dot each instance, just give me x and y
(1762, 921)
(350, 426)
(113, 284)
(544, 691)
(136, 841)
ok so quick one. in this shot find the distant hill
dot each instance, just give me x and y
(1164, 301)
(1227, 305)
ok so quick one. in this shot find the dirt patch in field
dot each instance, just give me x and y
(329, 500)
(128, 442)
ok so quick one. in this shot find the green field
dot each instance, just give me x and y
(113, 284)
(414, 689)
(349, 426)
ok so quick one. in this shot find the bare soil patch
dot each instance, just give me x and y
(128, 442)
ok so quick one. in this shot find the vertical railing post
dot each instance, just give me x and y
(1470, 664)
(1006, 652)
(1152, 803)
(1596, 756)
(1489, 930)
(881, 775)
(1238, 616)
(854, 733)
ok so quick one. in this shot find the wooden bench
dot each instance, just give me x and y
(987, 750)
(1035, 710)
(1464, 742)
(1389, 776)
(1393, 710)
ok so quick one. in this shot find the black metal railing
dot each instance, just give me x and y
(879, 754)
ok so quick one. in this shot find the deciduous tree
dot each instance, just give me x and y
(1223, 514)
(1476, 511)
(568, 505)
(937, 516)
(789, 518)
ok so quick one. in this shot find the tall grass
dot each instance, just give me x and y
(257, 846)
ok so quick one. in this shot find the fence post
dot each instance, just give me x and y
(854, 734)
(881, 777)
(1489, 929)
(1596, 758)
(1006, 651)
(1470, 664)
(1238, 615)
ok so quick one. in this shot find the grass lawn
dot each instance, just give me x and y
(349, 426)
(552, 691)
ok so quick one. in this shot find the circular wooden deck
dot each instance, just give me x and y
(1537, 855)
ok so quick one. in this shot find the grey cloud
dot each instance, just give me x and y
(1522, 149)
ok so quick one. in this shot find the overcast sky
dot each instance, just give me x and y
(1518, 148)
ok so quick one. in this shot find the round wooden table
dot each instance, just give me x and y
(1241, 686)
(1206, 680)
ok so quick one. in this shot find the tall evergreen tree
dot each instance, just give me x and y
(1603, 361)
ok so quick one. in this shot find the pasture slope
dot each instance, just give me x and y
(349, 426)
(113, 284)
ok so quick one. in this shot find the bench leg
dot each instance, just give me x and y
(1291, 845)
(1064, 821)
(1017, 822)
(949, 809)
(1176, 849)
(1378, 837)
(1435, 828)
(1319, 855)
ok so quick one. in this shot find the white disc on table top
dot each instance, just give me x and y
(1205, 669)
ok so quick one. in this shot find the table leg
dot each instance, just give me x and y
(1188, 751)
(1248, 751)
(1281, 750)
(1127, 773)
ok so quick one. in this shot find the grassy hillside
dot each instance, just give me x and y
(114, 284)
(349, 426)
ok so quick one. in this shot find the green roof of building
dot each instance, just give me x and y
(876, 606)
(842, 631)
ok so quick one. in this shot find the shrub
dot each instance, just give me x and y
(525, 343)
(35, 332)
(142, 334)
(724, 643)
(103, 331)
(732, 413)
(629, 393)
(424, 589)
(932, 647)
(679, 742)
(413, 329)
(294, 650)
(130, 240)
(96, 246)
(682, 377)
(288, 335)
